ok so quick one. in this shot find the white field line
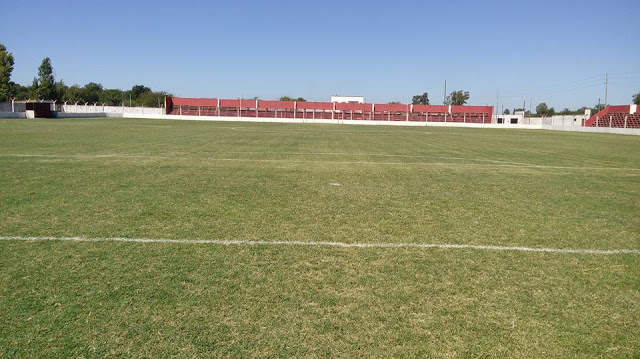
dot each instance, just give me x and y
(498, 164)
(330, 244)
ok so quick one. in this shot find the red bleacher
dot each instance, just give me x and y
(622, 116)
(327, 110)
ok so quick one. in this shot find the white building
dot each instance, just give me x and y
(519, 118)
(347, 99)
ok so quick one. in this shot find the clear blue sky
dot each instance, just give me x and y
(553, 51)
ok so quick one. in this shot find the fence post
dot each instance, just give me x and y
(625, 120)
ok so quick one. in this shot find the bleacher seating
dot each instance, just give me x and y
(625, 116)
(327, 110)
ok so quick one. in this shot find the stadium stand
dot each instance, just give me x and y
(327, 110)
(622, 116)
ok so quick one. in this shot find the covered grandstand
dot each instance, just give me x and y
(326, 110)
(622, 116)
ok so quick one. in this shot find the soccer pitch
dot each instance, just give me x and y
(377, 197)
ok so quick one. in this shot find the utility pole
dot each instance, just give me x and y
(606, 88)
(497, 100)
(444, 98)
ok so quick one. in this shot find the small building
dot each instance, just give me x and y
(38, 108)
(347, 99)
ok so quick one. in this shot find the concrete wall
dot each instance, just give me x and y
(625, 131)
(12, 114)
(17, 107)
(80, 108)
(557, 120)
(556, 123)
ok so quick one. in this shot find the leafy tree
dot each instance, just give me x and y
(91, 92)
(420, 99)
(33, 90)
(458, 98)
(393, 103)
(73, 94)
(542, 109)
(636, 98)
(152, 99)
(138, 90)
(6, 67)
(18, 91)
(566, 111)
(506, 112)
(45, 82)
(287, 98)
(112, 97)
(60, 90)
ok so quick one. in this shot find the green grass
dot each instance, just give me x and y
(205, 180)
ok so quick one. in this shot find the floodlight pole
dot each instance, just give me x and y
(606, 88)
(444, 98)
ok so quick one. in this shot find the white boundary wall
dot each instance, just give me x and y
(624, 131)
(4, 114)
(97, 109)
(78, 111)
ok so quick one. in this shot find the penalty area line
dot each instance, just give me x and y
(329, 244)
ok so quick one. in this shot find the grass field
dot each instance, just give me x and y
(106, 178)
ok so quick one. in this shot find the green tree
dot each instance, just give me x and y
(152, 99)
(60, 90)
(91, 92)
(542, 109)
(420, 99)
(566, 111)
(458, 98)
(636, 99)
(6, 67)
(287, 98)
(73, 94)
(18, 91)
(45, 82)
(506, 112)
(112, 97)
(393, 103)
(138, 90)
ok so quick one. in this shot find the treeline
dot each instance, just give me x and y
(455, 98)
(45, 87)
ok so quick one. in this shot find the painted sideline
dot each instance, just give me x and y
(495, 163)
(328, 244)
